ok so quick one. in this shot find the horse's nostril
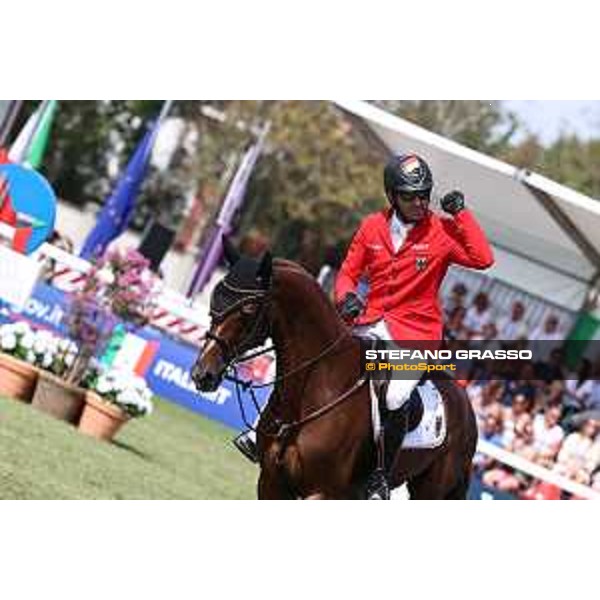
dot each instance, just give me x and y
(204, 380)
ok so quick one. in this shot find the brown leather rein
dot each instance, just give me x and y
(284, 429)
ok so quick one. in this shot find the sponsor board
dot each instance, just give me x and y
(167, 373)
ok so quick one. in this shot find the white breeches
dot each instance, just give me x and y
(399, 390)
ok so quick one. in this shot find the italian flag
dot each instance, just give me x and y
(129, 351)
(29, 147)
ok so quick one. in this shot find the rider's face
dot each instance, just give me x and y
(412, 207)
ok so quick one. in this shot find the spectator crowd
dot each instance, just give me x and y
(546, 410)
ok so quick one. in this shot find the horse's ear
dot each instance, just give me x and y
(230, 252)
(265, 268)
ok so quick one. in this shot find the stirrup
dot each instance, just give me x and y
(377, 486)
(246, 446)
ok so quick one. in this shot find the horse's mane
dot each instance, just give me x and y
(289, 265)
(282, 265)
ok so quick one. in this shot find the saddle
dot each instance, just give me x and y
(423, 414)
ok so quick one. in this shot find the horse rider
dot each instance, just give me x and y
(404, 252)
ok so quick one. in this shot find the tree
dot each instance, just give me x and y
(479, 124)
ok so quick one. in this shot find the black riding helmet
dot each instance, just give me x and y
(406, 174)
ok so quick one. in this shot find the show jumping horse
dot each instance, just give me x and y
(315, 435)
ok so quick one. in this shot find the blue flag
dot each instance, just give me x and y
(116, 213)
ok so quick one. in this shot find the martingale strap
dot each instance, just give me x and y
(250, 386)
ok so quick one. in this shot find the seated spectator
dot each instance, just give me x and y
(591, 405)
(521, 440)
(526, 384)
(547, 436)
(514, 327)
(455, 328)
(478, 315)
(521, 443)
(493, 427)
(455, 300)
(552, 369)
(545, 338)
(485, 396)
(578, 388)
(488, 335)
(521, 406)
(490, 430)
(576, 459)
(592, 402)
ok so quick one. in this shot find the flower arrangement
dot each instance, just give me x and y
(122, 388)
(40, 348)
(120, 286)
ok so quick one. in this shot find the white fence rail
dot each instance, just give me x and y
(525, 466)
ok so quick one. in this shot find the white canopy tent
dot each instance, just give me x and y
(546, 236)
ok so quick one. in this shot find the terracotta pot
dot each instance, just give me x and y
(59, 398)
(100, 419)
(17, 378)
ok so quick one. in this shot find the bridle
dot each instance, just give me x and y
(255, 335)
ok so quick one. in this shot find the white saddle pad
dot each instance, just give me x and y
(431, 431)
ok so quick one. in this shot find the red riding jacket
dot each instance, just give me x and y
(404, 286)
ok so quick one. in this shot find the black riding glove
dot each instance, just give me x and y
(453, 202)
(351, 306)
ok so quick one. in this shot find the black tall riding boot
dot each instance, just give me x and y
(394, 429)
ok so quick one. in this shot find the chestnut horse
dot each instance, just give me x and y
(315, 437)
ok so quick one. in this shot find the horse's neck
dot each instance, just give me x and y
(305, 324)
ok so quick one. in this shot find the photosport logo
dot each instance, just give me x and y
(27, 203)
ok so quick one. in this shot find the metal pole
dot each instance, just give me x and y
(9, 120)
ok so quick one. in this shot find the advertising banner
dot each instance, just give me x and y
(166, 362)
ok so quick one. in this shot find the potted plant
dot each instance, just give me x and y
(119, 286)
(113, 397)
(18, 374)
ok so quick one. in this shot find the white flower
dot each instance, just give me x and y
(69, 360)
(64, 344)
(31, 357)
(128, 396)
(40, 346)
(47, 360)
(148, 406)
(22, 328)
(106, 276)
(28, 340)
(9, 341)
(103, 386)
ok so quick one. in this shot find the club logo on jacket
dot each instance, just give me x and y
(421, 263)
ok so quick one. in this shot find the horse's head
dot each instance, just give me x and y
(240, 317)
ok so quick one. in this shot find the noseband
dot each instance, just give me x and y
(255, 334)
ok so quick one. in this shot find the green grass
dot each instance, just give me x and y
(174, 453)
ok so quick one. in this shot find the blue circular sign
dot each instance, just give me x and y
(33, 200)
